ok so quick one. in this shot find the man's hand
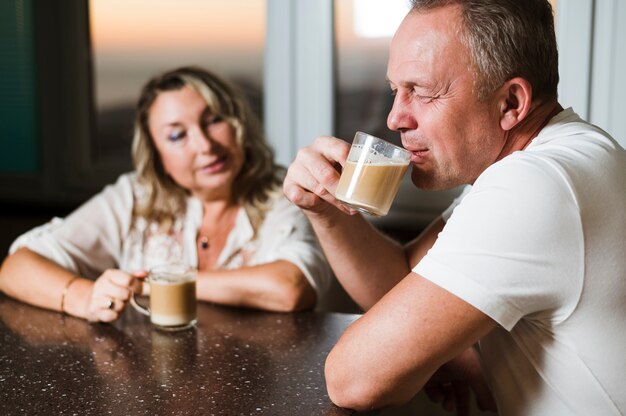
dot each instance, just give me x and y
(313, 176)
(451, 384)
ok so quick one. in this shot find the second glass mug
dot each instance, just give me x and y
(173, 302)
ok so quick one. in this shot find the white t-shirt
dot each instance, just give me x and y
(538, 244)
(102, 234)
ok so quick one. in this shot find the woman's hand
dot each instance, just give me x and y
(111, 293)
(313, 176)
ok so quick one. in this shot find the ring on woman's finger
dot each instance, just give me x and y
(111, 304)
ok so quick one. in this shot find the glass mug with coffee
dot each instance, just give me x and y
(173, 301)
(372, 174)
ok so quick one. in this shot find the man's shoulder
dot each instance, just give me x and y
(567, 131)
(520, 169)
(523, 186)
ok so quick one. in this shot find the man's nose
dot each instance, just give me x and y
(400, 117)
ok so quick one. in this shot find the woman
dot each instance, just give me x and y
(205, 192)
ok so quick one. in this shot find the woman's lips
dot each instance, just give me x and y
(215, 166)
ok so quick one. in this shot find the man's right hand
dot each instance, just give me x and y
(313, 176)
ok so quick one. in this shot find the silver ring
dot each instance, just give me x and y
(111, 304)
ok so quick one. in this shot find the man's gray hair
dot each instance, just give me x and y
(506, 39)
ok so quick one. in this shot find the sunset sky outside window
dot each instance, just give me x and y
(122, 25)
(135, 39)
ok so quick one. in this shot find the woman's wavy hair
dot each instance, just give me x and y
(507, 39)
(164, 199)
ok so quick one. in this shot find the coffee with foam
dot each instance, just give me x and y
(372, 174)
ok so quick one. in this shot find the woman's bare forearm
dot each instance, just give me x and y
(278, 286)
(33, 279)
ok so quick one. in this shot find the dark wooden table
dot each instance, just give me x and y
(235, 362)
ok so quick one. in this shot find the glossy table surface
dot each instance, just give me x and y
(235, 362)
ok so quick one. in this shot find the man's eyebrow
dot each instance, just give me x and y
(409, 82)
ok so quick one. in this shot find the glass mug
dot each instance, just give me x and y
(372, 174)
(173, 303)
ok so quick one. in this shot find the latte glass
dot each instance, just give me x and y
(372, 174)
(173, 301)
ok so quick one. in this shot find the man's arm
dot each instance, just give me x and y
(418, 248)
(387, 356)
(367, 263)
(376, 263)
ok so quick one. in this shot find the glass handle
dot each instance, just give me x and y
(137, 306)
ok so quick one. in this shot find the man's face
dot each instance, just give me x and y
(453, 137)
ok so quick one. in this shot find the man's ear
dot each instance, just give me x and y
(514, 101)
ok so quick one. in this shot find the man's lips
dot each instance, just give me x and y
(418, 155)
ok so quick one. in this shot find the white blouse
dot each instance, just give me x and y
(102, 234)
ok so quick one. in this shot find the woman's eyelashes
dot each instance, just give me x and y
(179, 134)
(176, 136)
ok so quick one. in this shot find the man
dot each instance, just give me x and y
(529, 264)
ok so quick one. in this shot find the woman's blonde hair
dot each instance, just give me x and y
(259, 176)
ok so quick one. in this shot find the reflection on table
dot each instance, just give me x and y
(234, 362)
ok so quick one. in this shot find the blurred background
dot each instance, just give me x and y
(71, 70)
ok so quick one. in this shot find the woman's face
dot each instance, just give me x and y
(198, 149)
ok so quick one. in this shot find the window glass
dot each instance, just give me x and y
(133, 40)
(18, 99)
(555, 5)
(363, 30)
